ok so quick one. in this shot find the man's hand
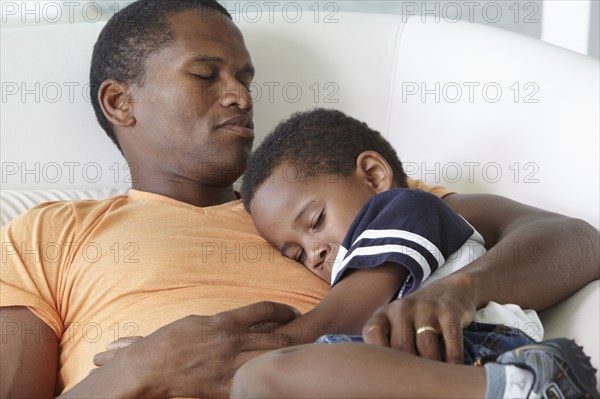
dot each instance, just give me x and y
(446, 305)
(113, 348)
(196, 356)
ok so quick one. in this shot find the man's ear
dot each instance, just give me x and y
(116, 100)
(375, 171)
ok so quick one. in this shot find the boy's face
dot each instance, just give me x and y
(307, 219)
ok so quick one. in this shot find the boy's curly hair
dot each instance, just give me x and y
(320, 141)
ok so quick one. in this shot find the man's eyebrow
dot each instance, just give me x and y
(207, 59)
(303, 211)
(211, 59)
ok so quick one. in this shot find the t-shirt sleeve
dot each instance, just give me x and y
(35, 248)
(411, 228)
(438, 191)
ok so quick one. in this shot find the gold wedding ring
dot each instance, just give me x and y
(423, 329)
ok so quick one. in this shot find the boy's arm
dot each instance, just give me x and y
(414, 220)
(349, 304)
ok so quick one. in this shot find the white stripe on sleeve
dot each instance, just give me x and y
(407, 235)
(383, 249)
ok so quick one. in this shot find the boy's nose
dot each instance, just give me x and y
(325, 251)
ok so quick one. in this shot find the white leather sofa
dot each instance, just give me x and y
(471, 107)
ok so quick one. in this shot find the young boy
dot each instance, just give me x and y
(331, 193)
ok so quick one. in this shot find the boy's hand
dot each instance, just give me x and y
(408, 324)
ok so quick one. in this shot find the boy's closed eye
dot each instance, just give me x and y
(300, 255)
(318, 220)
(294, 252)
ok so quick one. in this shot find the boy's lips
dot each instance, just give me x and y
(241, 125)
(330, 259)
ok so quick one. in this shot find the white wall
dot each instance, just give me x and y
(567, 24)
(594, 44)
(572, 24)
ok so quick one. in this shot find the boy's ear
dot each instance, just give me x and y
(375, 171)
(116, 101)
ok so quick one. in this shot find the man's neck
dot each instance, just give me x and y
(193, 194)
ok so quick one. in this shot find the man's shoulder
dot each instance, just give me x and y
(403, 199)
(438, 191)
(80, 207)
(64, 212)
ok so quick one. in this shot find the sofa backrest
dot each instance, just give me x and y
(513, 116)
(475, 108)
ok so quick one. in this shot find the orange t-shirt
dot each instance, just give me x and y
(95, 271)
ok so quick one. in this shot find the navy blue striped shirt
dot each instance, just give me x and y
(411, 228)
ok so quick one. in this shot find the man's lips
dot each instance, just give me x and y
(242, 125)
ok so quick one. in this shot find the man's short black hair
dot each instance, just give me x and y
(130, 37)
(321, 141)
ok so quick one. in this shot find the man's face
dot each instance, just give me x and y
(307, 220)
(193, 110)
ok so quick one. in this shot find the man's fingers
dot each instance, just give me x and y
(102, 358)
(253, 341)
(246, 356)
(112, 349)
(123, 342)
(427, 340)
(453, 341)
(404, 337)
(261, 313)
(377, 330)
(401, 325)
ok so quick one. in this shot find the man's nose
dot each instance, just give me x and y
(235, 93)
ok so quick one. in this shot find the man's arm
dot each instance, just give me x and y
(194, 356)
(535, 259)
(29, 355)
